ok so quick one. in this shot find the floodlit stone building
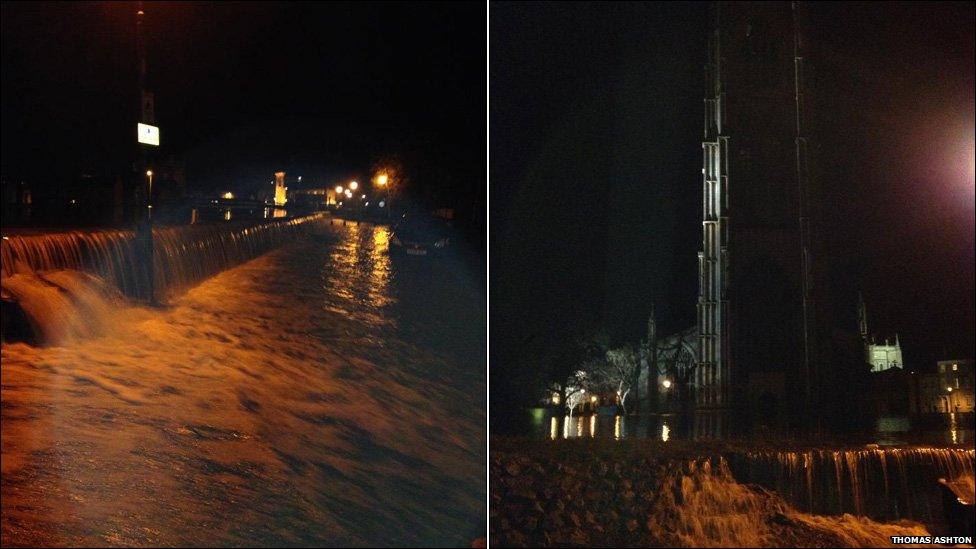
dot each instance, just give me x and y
(881, 356)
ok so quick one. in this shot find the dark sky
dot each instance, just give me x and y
(245, 89)
(595, 131)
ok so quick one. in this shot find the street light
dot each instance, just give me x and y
(354, 185)
(666, 383)
(338, 189)
(149, 196)
(383, 180)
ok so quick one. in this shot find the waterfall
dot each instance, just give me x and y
(881, 483)
(65, 285)
(701, 504)
(579, 495)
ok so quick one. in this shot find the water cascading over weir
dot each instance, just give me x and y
(636, 493)
(881, 483)
(57, 286)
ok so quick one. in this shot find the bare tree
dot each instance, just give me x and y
(618, 371)
(677, 365)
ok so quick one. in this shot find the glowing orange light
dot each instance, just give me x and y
(382, 179)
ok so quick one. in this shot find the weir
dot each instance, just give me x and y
(881, 483)
(57, 282)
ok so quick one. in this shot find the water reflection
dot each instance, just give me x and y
(953, 428)
(359, 274)
(286, 401)
(704, 426)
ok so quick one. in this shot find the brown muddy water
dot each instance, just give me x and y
(324, 393)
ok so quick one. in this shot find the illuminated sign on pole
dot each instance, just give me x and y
(147, 134)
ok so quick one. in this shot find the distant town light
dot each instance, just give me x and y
(367, 203)
(364, 197)
(382, 179)
(338, 189)
(666, 383)
(593, 399)
(382, 203)
(354, 185)
(949, 389)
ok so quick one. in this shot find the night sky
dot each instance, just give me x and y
(596, 122)
(595, 119)
(243, 90)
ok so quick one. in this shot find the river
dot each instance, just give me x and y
(324, 393)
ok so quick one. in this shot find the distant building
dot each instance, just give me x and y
(311, 198)
(881, 357)
(280, 195)
(949, 389)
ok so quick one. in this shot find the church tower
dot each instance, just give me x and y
(755, 305)
(280, 195)
(882, 357)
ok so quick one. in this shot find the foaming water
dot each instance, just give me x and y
(63, 306)
(182, 255)
(68, 284)
(702, 505)
(283, 402)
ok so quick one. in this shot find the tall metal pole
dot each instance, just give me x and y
(146, 237)
(804, 217)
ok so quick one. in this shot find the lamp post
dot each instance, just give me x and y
(383, 180)
(149, 175)
(150, 267)
(146, 116)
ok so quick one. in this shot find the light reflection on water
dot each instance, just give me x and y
(318, 395)
(889, 431)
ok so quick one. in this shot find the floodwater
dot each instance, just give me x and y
(325, 393)
(889, 431)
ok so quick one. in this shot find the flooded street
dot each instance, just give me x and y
(325, 393)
